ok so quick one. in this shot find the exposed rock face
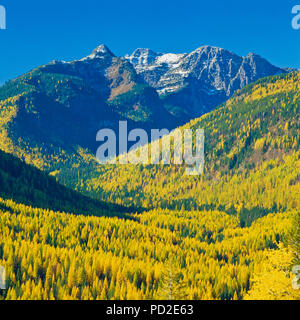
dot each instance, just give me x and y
(195, 83)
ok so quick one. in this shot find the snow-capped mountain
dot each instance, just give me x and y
(152, 66)
(194, 83)
(153, 90)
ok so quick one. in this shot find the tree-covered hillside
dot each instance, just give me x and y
(218, 234)
(51, 255)
(251, 159)
(50, 116)
(28, 185)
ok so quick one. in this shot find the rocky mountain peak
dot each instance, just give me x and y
(100, 52)
(142, 57)
(200, 80)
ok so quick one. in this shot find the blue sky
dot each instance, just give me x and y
(41, 31)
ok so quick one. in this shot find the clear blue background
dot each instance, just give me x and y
(41, 31)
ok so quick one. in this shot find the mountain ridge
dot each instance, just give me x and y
(197, 82)
(164, 89)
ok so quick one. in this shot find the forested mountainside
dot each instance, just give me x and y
(218, 236)
(251, 159)
(26, 184)
(251, 141)
(55, 111)
(50, 255)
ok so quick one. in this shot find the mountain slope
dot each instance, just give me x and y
(251, 159)
(51, 115)
(28, 185)
(195, 83)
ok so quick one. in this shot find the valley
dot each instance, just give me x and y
(71, 228)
